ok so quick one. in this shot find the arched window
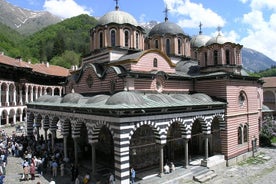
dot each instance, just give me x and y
(101, 40)
(126, 38)
(227, 57)
(240, 135)
(205, 58)
(155, 64)
(113, 38)
(168, 46)
(245, 133)
(179, 46)
(215, 57)
(156, 44)
(137, 40)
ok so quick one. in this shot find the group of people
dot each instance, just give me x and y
(168, 168)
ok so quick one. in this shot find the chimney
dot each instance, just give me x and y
(2, 53)
(47, 64)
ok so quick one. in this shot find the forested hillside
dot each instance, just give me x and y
(62, 44)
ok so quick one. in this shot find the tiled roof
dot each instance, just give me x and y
(42, 68)
(269, 82)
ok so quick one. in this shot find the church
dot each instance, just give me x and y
(144, 98)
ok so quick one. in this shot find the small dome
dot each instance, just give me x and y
(199, 40)
(188, 67)
(118, 17)
(166, 28)
(219, 39)
(97, 98)
(126, 97)
(202, 97)
(71, 98)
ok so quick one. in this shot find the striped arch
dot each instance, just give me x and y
(185, 127)
(76, 127)
(65, 127)
(53, 124)
(38, 120)
(157, 131)
(46, 122)
(30, 123)
(205, 122)
(94, 131)
(220, 118)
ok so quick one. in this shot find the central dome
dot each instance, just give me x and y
(166, 28)
(118, 17)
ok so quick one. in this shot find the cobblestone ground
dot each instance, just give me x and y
(260, 170)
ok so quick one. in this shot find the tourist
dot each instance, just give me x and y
(2, 178)
(54, 168)
(111, 179)
(166, 169)
(62, 169)
(86, 178)
(133, 174)
(52, 181)
(32, 171)
(172, 167)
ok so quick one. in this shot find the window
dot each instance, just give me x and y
(137, 40)
(113, 38)
(245, 133)
(101, 40)
(240, 135)
(196, 55)
(215, 57)
(241, 99)
(156, 44)
(205, 58)
(168, 46)
(227, 57)
(126, 38)
(179, 45)
(155, 64)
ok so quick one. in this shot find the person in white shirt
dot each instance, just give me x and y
(166, 169)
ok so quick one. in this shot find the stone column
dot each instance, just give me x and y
(26, 95)
(0, 95)
(32, 94)
(161, 160)
(186, 141)
(45, 134)
(76, 150)
(20, 97)
(65, 146)
(14, 96)
(93, 159)
(53, 139)
(7, 96)
(206, 147)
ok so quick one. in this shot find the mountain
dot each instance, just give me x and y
(254, 61)
(25, 21)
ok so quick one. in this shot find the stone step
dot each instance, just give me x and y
(205, 176)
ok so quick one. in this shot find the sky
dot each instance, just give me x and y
(251, 23)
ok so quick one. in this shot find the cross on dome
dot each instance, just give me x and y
(166, 11)
(117, 6)
(200, 26)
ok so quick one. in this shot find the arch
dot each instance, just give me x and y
(215, 139)
(174, 147)
(137, 40)
(113, 37)
(215, 52)
(126, 38)
(240, 134)
(227, 56)
(179, 46)
(144, 152)
(245, 132)
(168, 46)
(156, 44)
(101, 39)
(155, 128)
(196, 144)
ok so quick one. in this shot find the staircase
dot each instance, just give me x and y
(204, 176)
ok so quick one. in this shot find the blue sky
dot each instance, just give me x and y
(251, 23)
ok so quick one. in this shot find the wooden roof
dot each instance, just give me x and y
(42, 68)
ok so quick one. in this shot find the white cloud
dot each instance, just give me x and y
(261, 31)
(65, 8)
(191, 14)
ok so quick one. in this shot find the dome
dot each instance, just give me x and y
(97, 98)
(202, 97)
(219, 39)
(118, 17)
(166, 28)
(199, 40)
(126, 97)
(71, 98)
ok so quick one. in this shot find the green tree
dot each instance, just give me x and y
(67, 59)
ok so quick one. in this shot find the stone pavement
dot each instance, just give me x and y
(261, 170)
